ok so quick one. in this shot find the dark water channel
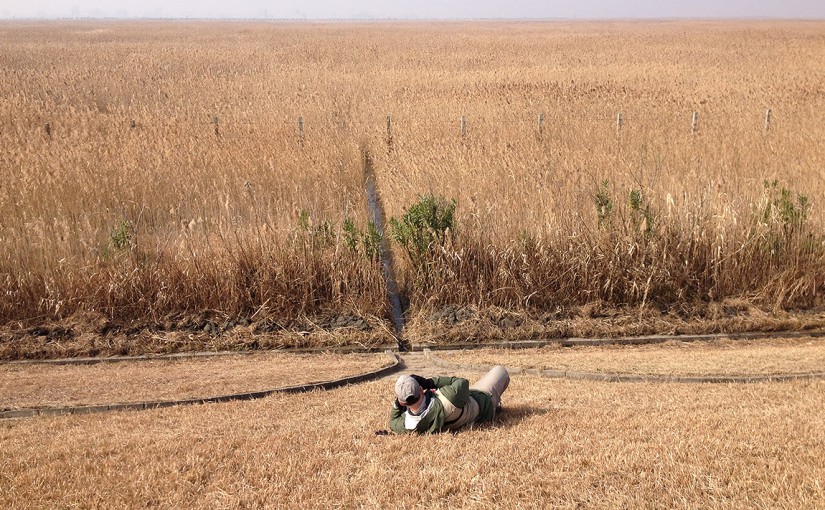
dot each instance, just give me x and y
(377, 218)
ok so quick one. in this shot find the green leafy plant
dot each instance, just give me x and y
(303, 219)
(371, 240)
(319, 233)
(641, 215)
(428, 221)
(604, 203)
(781, 216)
(121, 235)
(324, 233)
(351, 234)
(781, 207)
(368, 241)
(121, 238)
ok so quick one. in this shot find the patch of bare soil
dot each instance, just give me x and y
(91, 335)
(453, 324)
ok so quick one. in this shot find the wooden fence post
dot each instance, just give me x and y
(301, 128)
(767, 119)
(618, 123)
(541, 123)
(463, 125)
(132, 124)
(48, 129)
(389, 132)
(215, 121)
(694, 125)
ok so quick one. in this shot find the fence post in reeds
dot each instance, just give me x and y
(389, 132)
(132, 124)
(767, 120)
(541, 124)
(694, 125)
(215, 121)
(618, 124)
(48, 129)
(301, 129)
(463, 125)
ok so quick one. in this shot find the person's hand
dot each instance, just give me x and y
(424, 382)
(382, 432)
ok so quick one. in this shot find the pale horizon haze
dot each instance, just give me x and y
(422, 9)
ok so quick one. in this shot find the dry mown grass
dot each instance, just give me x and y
(560, 444)
(721, 357)
(72, 385)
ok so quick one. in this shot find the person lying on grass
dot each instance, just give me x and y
(427, 405)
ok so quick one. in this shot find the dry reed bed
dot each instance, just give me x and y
(560, 444)
(41, 385)
(719, 357)
(170, 218)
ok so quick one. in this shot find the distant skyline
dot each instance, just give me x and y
(420, 9)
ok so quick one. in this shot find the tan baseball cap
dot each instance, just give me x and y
(407, 390)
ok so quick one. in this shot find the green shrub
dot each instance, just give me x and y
(371, 240)
(121, 235)
(428, 221)
(319, 234)
(351, 234)
(604, 203)
(780, 220)
(121, 238)
(368, 241)
(780, 207)
(303, 219)
(641, 216)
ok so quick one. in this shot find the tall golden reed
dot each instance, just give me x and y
(179, 214)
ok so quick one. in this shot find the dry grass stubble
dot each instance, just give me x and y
(74, 385)
(560, 444)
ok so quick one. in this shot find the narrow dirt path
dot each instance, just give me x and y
(417, 363)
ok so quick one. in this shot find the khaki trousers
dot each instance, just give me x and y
(494, 383)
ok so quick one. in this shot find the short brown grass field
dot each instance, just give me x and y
(154, 172)
(43, 385)
(559, 444)
(673, 358)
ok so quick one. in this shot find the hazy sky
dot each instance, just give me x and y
(406, 9)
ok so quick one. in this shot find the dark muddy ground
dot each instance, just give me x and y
(91, 335)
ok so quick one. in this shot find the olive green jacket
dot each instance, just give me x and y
(456, 390)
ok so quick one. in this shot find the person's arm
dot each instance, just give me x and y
(455, 389)
(426, 383)
(398, 410)
(397, 418)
